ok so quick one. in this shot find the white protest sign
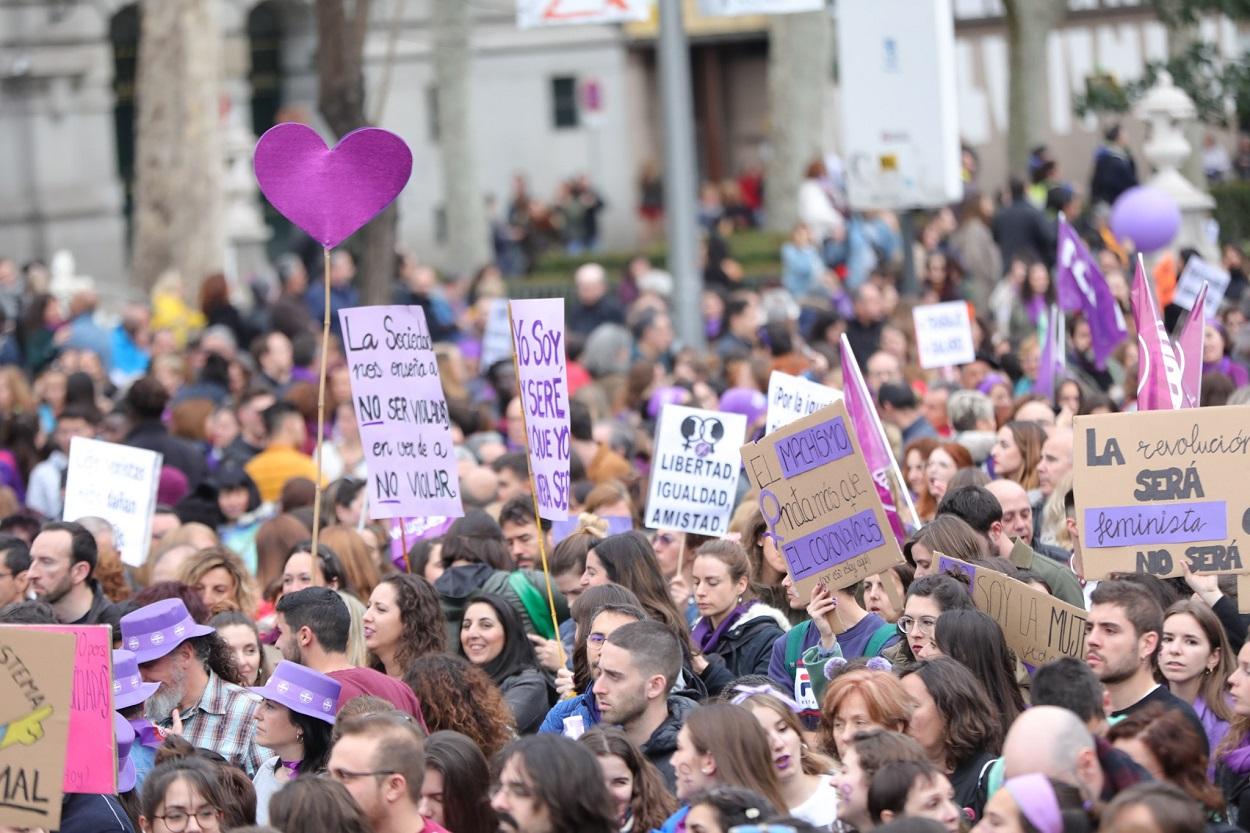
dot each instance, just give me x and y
(497, 336)
(943, 334)
(530, 13)
(117, 483)
(694, 479)
(728, 8)
(1196, 271)
(543, 382)
(793, 397)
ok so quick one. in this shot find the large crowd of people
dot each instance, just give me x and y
(399, 678)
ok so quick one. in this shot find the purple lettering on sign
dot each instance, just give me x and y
(813, 447)
(1169, 523)
(538, 338)
(833, 545)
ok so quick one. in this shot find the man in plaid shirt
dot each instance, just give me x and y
(192, 699)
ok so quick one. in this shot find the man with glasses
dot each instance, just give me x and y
(14, 562)
(550, 784)
(380, 759)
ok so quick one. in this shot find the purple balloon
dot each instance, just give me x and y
(330, 193)
(1146, 216)
(666, 396)
(746, 401)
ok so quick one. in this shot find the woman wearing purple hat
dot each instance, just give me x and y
(295, 722)
(130, 693)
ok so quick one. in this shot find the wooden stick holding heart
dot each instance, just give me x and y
(330, 193)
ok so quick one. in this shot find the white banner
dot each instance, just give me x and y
(496, 336)
(729, 8)
(117, 483)
(793, 397)
(943, 334)
(1196, 271)
(694, 471)
(531, 13)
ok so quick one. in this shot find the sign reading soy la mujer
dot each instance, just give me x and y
(1154, 489)
(694, 481)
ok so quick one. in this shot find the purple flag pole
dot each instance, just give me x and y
(1188, 347)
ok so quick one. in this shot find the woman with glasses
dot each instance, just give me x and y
(180, 795)
(927, 599)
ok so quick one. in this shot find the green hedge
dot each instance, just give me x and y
(1232, 211)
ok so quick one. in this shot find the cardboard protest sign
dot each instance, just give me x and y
(93, 766)
(694, 476)
(943, 334)
(117, 483)
(496, 336)
(793, 397)
(35, 694)
(1037, 626)
(1153, 488)
(538, 336)
(402, 413)
(820, 502)
(1197, 271)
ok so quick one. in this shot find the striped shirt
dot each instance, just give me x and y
(224, 722)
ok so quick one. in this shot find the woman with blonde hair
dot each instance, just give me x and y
(357, 560)
(218, 577)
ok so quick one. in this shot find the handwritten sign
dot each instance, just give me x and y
(36, 680)
(530, 13)
(497, 336)
(93, 766)
(694, 476)
(793, 397)
(1155, 487)
(402, 413)
(820, 502)
(943, 334)
(117, 483)
(1190, 282)
(538, 338)
(1037, 626)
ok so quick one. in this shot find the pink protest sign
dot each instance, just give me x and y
(91, 765)
(402, 413)
(538, 335)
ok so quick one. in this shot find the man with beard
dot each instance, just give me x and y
(62, 561)
(313, 625)
(550, 784)
(1123, 629)
(194, 700)
(638, 665)
(380, 759)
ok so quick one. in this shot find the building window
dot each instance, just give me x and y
(431, 112)
(564, 101)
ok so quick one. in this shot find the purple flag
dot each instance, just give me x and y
(1081, 287)
(1189, 350)
(1158, 371)
(1050, 371)
(876, 453)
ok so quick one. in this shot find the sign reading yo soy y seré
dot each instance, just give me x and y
(404, 428)
(820, 502)
(694, 481)
(538, 339)
(1153, 488)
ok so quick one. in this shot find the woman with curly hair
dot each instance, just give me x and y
(222, 581)
(457, 696)
(1017, 452)
(642, 800)
(402, 623)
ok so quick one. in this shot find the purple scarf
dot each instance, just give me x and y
(1238, 760)
(291, 767)
(146, 732)
(706, 638)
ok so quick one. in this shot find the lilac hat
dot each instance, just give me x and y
(127, 777)
(129, 689)
(746, 401)
(302, 690)
(666, 396)
(155, 630)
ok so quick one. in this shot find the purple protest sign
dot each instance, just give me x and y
(1081, 287)
(538, 336)
(833, 545)
(1156, 523)
(820, 444)
(402, 413)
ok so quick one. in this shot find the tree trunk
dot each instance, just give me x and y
(462, 200)
(800, 60)
(1029, 23)
(341, 29)
(179, 164)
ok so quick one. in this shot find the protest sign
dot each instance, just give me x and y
(694, 476)
(93, 766)
(530, 13)
(35, 695)
(538, 336)
(1037, 626)
(117, 483)
(729, 8)
(497, 336)
(820, 502)
(1197, 271)
(1155, 487)
(401, 411)
(793, 397)
(943, 334)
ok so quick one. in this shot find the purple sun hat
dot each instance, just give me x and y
(302, 690)
(124, 734)
(129, 689)
(746, 401)
(155, 630)
(666, 396)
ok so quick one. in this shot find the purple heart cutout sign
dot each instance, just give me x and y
(330, 192)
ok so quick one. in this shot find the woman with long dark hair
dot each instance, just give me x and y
(643, 802)
(975, 640)
(1168, 746)
(492, 638)
(1196, 659)
(456, 790)
(927, 599)
(402, 623)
